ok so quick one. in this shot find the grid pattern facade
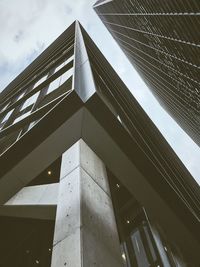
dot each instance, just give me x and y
(161, 39)
(72, 77)
(32, 97)
(56, 74)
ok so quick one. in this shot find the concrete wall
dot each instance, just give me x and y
(85, 228)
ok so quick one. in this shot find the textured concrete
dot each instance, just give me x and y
(38, 202)
(36, 195)
(49, 150)
(42, 212)
(85, 229)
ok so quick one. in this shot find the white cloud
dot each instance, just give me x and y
(30, 26)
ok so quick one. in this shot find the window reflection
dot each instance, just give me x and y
(5, 107)
(138, 245)
(20, 96)
(31, 125)
(54, 85)
(63, 63)
(66, 75)
(41, 80)
(7, 116)
(22, 116)
(31, 100)
(60, 66)
(125, 256)
(60, 80)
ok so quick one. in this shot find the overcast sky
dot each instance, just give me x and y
(29, 26)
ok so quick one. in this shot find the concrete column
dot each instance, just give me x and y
(85, 229)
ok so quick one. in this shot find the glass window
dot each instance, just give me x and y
(22, 116)
(66, 75)
(125, 257)
(31, 100)
(139, 249)
(54, 85)
(41, 80)
(5, 107)
(60, 66)
(7, 116)
(69, 59)
(150, 243)
(20, 96)
(31, 125)
(60, 80)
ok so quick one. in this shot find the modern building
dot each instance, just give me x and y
(161, 40)
(86, 178)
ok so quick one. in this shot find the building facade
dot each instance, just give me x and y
(162, 42)
(86, 178)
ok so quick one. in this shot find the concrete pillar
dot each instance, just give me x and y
(85, 229)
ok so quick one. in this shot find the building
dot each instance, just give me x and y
(86, 178)
(162, 42)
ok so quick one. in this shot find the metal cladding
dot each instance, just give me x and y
(162, 41)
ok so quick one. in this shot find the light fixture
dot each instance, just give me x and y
(118, 186)
(49, 249)
(128, 221)
(49, 172)
(37, 261)
(124, 256)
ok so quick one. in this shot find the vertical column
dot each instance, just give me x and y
(85, 229)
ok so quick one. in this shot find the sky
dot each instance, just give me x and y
(29, 26)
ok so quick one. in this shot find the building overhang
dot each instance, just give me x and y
(103, 132)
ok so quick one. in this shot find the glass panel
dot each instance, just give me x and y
(125, 257)
(40, 81)
(60, 80)
(69, 59)
(5, 107)
(54, 85)
(150, 244)
(59, 67)
(22, 116)
(7, 116)
(31, 125)
(20, 96)
(66, 75)
(139, 249)
(30, 100)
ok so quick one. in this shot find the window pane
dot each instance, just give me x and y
(20, 96)
(7, 116)
(60, 66)
(69, 59)
(22, 116)
(139, 249)
(5, 107)
(30, 100)
(66, 75)
(54, 85)
(150, 243)
(125, 257)
(41, 80)
(31, 125)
